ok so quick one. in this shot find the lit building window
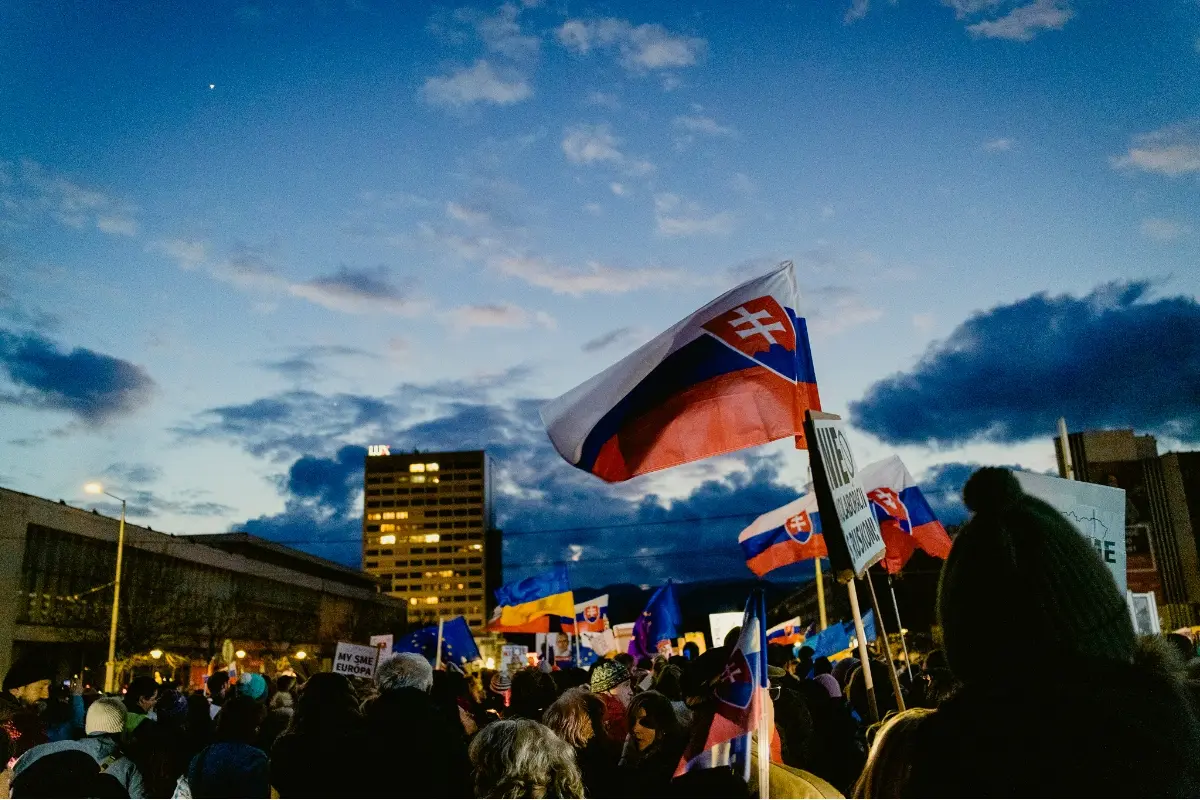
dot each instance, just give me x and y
(418, 478)
(388, 527)
(376, 516)
(401, 515)
(386, 515)
(435, 479)
(389, 539)
(473, 547)
(416, 467)
(430, 467)
(412, 601)
(431, 600)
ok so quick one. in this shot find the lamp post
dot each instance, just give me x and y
(110, 666)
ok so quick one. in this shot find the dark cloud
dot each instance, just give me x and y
(145, 504)
(92, 386)
(1110, 359)
(133, 473)
(605, 339)
(307, 363)
(358, 291)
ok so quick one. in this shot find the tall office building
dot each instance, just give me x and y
(428, 532)
(1162, 534)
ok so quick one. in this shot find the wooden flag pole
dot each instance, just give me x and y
(886, 646)
(821, 593)
(437, 661)
(765, 723)
(900, 627)
(863, 656)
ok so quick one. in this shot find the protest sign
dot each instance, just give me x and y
(384, 642)
(721, 624)
(1096, 511)
(355, 659)
(513, 658)
(847, 521)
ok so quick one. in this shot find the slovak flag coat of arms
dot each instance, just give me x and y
(789, 534)
(735, 374)
(590, 615)
(740, 699)
(906, 520)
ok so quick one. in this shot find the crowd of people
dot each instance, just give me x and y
(1086, 709)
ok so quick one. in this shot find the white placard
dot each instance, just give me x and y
(385, 642)
(722, 623)
(859, 526)
(355, 659)
(1096, 511)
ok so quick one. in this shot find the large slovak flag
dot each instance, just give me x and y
(784, 536)
(735, 374)
(905, 518)
(741, 696)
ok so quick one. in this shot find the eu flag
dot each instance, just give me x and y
(458, 645)
(661, 620)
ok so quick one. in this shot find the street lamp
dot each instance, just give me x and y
(240, 654)
(156, 654)
(301, 655)
(110, 666)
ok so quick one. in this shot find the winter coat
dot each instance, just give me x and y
(229, 769)
(648, 773)
(327, 762)
(23, 723)
(1089, 728)
(414, 750)
(103, 749)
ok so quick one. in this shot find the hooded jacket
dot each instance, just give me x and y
(103, 749)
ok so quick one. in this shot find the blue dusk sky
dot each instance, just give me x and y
(241, 241)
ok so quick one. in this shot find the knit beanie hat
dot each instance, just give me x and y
(1019, 568)
(608, 675)
(27, 670)
(500, 683)
(105, 715)
(252, 685)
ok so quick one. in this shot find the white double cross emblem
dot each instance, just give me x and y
(756, 327)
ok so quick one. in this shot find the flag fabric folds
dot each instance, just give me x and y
(788, 632)
(784, 536)
(840, 636)
(905, 518)
(526, 606)
(661, 621)
(590, 615)
(458, 645)
(741, 693)
(735, 374)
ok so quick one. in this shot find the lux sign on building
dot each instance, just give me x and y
(379, 450)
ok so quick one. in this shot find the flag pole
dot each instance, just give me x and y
(437, 661)
(868, 679)
(900, 627)
(765, 725)
(882, 637)
(821, 593)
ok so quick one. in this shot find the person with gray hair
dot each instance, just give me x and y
(410, 735)
(523, 758)
(404, 670)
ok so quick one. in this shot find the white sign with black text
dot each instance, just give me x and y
(859, 526)
(356, 659)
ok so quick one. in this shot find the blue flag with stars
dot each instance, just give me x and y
(458, 645)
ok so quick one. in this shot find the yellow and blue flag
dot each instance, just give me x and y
(527, 606)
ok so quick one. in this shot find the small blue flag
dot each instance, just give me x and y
(662, 620)
(458, 645)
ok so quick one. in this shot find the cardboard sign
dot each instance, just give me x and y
(1096, 511)
(847, 521)
(512, 658)
(355, 660)
(384, 641)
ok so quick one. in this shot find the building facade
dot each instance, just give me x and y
(1162, 494)
(428, 532)
(185, 595)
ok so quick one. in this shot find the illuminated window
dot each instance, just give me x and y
(385, 527)
(432, 537)
(416, 467)
(473, 547)
(389, 539)
(460, 586)
(431, 467)
(399, 515)
(376, 516)
(431, 600)
(386, 515)
(435, 479)
(418, 478)
(412, 601)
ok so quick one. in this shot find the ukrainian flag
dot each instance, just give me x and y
(526, 606)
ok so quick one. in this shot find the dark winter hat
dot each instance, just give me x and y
(608, 675)
(1019, 568)
(25, 671)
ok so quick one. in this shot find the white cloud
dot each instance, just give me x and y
(497, 315)
(998, 145)
(468, 216)
(1024, 23)
(1161, 229)
(501, 32)
(705, 125)
(969, 8)
(574, 551)
(675, 218)
(34, 191)
(603, 99)
(596, 144)
(857, 11)
(118, 224)
(477, 84)
(593, 278)
(924, 322)
(189, 253)
(1171, 151)
(640, 48)
(593, 208)
(619, 189)
(831, 310)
